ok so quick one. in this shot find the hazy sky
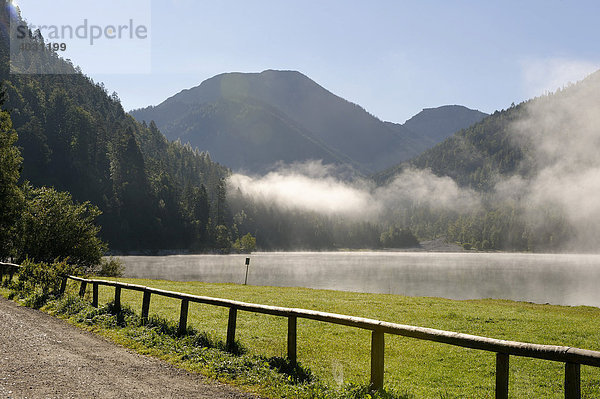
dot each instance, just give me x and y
(394, 58)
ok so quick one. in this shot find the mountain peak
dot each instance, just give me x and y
(257, 110)
(439, 123)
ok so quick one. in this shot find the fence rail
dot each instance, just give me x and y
(572, 357)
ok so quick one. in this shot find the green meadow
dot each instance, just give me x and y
(338, 355)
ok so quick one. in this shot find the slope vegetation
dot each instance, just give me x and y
(250, 121)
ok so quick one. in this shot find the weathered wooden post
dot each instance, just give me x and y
(247, 266)
(377, 359)
(3, 272)
(230, 343)
(82, 288)
(292, 339)
(63, 285)
(11, 273)
(145, 306)
(95, 295)
(183, 314)
(572, 381)
(502, 363)
(117, 299)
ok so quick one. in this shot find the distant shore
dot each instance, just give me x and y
(437, 245)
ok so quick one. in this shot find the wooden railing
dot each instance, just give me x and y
(572, 357)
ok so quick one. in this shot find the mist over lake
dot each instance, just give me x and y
(560, 279)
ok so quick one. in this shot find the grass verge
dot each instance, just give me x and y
(335, 359)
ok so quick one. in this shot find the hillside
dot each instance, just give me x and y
(473, 156)
(520, 140)
(534, 168)
(437, 124)
(250, 121)
(76, 137)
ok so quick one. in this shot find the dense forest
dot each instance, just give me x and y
(522, 163)
(476, 158)
(285, 228)
(75, 137)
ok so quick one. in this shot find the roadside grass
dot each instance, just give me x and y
(337, 356)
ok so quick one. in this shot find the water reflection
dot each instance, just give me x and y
(541, 278)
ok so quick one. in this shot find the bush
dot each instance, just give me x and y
(223, 239)
(396, 237)
(245, 245)
(355, 391)
(111, 268)
(39, 282)
(53, 227)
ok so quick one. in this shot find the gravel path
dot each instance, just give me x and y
(45, 357)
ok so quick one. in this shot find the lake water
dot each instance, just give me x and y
(564, 279)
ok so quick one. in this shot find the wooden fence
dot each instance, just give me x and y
(572, 357)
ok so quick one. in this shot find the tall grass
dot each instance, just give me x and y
(339, 355)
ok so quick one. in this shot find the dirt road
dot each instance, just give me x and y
(45, 357)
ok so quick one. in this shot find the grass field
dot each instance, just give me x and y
(338, 354)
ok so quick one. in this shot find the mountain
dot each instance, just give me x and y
(76, 137)
(532, 168)
(473, 156)
(251, 121)
(437, 124)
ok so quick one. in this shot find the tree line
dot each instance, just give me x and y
(75, 137)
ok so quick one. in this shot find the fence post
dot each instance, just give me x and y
(82, 288)
(11, 273)
(183, 316)
(145, 306)
(377, 359)
(4, 271)
(63, 285)
(230, 344)
(572, 381)
(292, 339)
(117, 299)
(95, 295)
(502, 363)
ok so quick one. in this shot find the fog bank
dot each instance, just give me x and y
(315, 187)
(562, 133)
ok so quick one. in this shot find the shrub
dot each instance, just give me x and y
(52, 226)
(111, 267)
(245, 245)
(396, 237)
(39, 282)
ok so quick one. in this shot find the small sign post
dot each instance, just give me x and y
(247, 265)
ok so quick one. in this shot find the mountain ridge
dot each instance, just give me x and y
(339, 127)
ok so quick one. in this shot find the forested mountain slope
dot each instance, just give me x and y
(250, 121)
(534, 167)
(473, 156)
(75, 137)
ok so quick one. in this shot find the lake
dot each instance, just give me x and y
(562, 279)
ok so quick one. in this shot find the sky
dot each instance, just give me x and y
(393, 58)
